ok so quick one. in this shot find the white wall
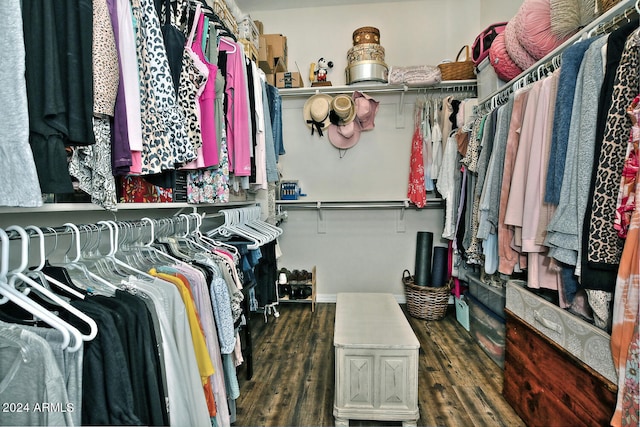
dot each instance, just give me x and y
(359, 250)
(497, 11)
(365, 250)
(412, 32)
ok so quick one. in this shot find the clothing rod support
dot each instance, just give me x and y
(402, 204)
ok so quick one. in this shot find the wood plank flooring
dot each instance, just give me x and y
(293, 379)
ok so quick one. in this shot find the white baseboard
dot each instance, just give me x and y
(331, 298)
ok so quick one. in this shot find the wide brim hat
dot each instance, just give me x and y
(344, 137)
(366, 110)
(343, 110)
(316, 111)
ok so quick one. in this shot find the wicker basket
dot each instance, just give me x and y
(458, 70)
(608, 4)
(425, 302)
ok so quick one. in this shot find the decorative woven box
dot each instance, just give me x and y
(365, 52)
(366, 35)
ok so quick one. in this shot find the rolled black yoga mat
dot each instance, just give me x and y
(439, 266)
(424, 248)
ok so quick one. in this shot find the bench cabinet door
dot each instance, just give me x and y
(376, 379)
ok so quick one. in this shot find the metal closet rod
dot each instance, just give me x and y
(443, 87)
(607, 22)
(63, 230)
(348, 205)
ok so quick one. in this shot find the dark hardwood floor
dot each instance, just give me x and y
(293, 378)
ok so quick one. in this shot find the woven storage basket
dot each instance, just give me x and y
(458, 70)
(425, 302)
(608, 4)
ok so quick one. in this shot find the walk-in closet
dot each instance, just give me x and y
(223, 213)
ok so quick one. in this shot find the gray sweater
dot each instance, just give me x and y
(565, 228)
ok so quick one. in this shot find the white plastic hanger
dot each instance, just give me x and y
(190, 239)
(41, 265)
(76, 263)
(249, 218)
(254, 216)
(228, 43)
(10, 293)
(231, 227)
(113, 228)
(4, 262)
(153, 255)
(18, 273)
(214, 244)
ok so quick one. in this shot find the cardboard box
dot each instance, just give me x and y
(264, 49)
(278, 44)
(271, 79)
(259, 26)
(281, 66)
(265, 57)
(289, 79)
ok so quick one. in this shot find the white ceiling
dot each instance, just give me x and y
(248, 6)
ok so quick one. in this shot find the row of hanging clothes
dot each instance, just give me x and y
(437, 118)
(128, 323)
(145, 97)
(551, 192)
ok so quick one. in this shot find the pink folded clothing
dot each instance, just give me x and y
(418, 75)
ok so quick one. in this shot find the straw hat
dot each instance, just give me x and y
(343, 110)
(316, 112)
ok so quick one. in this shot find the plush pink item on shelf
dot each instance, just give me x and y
(502, 63)
(518, 54)
(533, 28)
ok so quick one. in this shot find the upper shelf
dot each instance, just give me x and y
(624, 10)
(445, 86)
(88, 207)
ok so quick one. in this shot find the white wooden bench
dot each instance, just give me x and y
(376, 361)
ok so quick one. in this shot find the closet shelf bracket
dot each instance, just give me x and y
(322, 226)
(400, 109)
(400, 219)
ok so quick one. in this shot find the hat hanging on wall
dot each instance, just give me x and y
(346, 136)
(343, 110)
(366, 110)
(316, 112)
